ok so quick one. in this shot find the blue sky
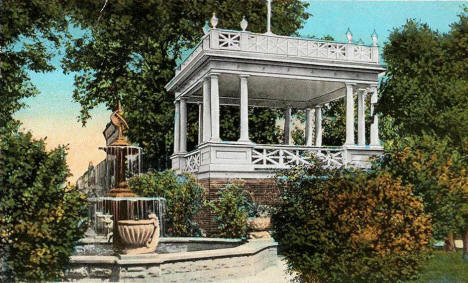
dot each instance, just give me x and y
(53, 112)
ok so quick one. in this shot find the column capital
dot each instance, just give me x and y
(244, 75)
(372, 88)
(350, 84)
(211, 75)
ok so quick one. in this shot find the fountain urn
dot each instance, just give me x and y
(139, 236)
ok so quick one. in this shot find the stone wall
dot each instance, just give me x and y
(264, 191)
(198, 266)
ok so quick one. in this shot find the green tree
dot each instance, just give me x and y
(426, 87)
(41, 220)
(425, 93)
(29, 29)
(131, 50)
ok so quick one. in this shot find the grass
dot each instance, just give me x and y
(444, 268)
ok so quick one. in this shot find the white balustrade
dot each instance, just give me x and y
(271, 157)
(220, 39)
(275, 157)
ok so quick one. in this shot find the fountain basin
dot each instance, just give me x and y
(184, 260)
(139, 236)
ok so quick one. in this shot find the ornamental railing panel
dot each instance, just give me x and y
(271, 157)
(229, 40)
(192, 162)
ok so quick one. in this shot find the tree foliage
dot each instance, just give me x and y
(41, 220)
(438, 175)
(426, 87)
(424, 98)
(338, 225)
(28, 29)
(184, 196)
(131, 51)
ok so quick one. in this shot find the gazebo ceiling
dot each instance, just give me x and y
(277, 92)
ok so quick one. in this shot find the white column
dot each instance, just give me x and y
(287, 126)
(374, 128)
(176, 127)
(200, 123)
(183, 126)
(244, 109)
(308, 130)
(349, 115)
(268, 17)
(214, 107)
(362, 117)
(318, 125)
(206, 110)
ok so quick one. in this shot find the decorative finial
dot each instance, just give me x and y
(214, 21)
(349, 36)
(268, 17)
(206, 28)
(244, 23)
(374, 38)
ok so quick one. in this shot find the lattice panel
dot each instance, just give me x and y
(229, 40)
(270, 157)
(362, 53)
(192, 162)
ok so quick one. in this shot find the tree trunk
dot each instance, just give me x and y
(465, 245)
(449, 243)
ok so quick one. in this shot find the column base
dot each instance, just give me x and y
(244, 141)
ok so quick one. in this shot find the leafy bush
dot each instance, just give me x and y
(183, 194)
(41, 220)
(438, 174)
(341, 225)
(231, 209)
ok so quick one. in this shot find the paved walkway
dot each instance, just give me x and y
(274, 274)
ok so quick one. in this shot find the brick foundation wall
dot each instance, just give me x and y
(264, 191)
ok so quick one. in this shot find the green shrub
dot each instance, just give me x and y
(183, 194)
(231, 209)
(341, 225)
(41, 220)
(439, 176)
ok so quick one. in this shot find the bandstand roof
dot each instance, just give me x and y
(283, 71)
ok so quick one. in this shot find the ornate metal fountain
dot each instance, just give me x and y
(137, 221)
